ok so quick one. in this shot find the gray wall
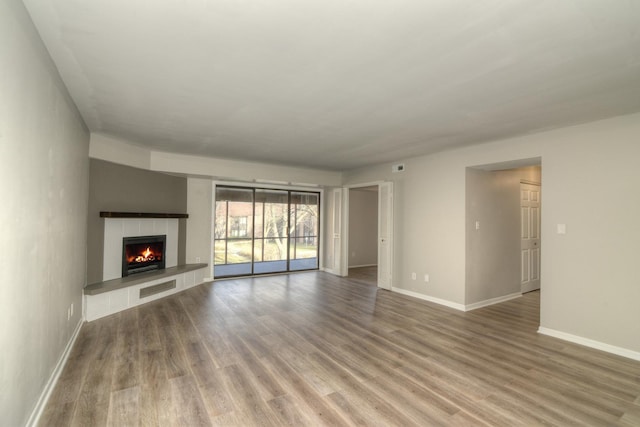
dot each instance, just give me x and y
(43, 181)
(590, 176)
(118, 188)
(363, 227)
(493, 251)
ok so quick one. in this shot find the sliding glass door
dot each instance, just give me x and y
(260, 231)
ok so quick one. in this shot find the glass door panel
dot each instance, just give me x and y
(273, 219)
(233, 241)
(303, 252)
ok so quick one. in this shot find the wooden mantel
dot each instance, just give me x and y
(104, 214)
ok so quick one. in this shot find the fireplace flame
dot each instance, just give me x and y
(146, 256)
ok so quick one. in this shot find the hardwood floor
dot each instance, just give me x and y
(367, 275)
(315, 349)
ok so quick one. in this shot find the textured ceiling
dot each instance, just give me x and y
(340, 84)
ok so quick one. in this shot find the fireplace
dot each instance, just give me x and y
(144, 253)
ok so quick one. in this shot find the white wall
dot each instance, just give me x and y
(199, 223)
(363, 227)
(590, 286)
(44, 186)
(330, 228)
(115, 150)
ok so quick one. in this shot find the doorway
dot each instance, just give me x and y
(503, 240)
(363, 234)
(383, 234)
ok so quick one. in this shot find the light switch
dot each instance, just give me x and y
(562, 228)
(477, 225)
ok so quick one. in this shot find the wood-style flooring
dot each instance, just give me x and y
(367, 275)
(315, 349)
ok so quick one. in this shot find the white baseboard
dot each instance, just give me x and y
(444, 302)
(363, 265)
(491, 301)
(330, 271)
(620, 351)
(53, 379)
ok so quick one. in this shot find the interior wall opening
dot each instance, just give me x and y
(363, 234)
(503, 239)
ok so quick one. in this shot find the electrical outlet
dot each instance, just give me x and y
(426, 278)
(413, 276)
(197, 259)
(71, 309)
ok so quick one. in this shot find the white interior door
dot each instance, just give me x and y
(530, 237)
(336, 225)
(385, 234)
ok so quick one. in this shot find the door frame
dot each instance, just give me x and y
(344, 244)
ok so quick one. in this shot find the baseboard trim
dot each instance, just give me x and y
(439, 301)
(363, 265)
(53, 379)
(491, 301)
(330, 271)
(620, 351)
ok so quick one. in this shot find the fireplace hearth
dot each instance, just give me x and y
(144, 253)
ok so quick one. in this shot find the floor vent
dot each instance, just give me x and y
(156, 289)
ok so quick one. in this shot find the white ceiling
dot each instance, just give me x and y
(340, 84)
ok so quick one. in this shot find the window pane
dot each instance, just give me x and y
(238, 251)
(240, 219)
(257, 250)
(304, 253)
(227, 270)
(275, 249)
(233, 194)
(219, 250)
(304, 247)
(220, 227)
(304, 211)
(272, 196)
(275, 256)
(259, 220)
(302, 198)
(273, 205)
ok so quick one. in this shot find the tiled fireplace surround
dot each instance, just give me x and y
(115, 293)
(115, 229)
